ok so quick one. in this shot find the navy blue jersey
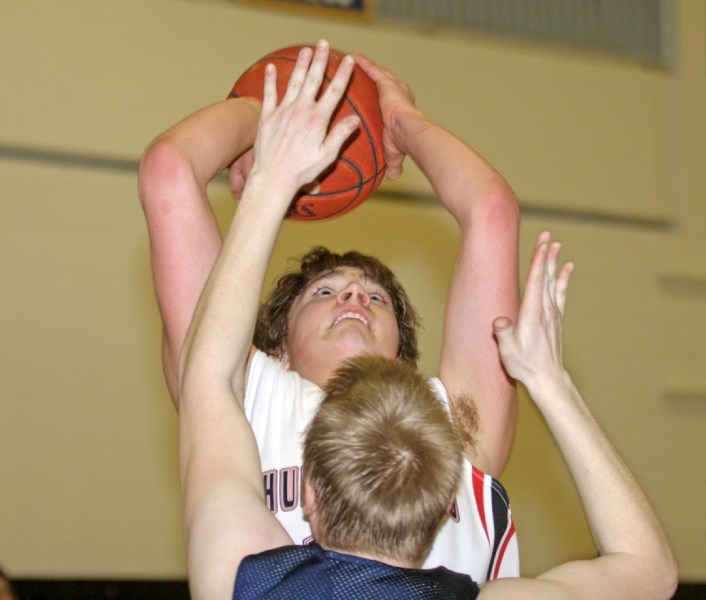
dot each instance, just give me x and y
(312, 572)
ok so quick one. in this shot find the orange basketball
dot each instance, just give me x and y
(360, 167)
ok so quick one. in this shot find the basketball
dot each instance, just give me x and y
(360, 167)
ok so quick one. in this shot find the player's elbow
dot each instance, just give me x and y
(668, 577)
(163, 165)
(658, 572)
(497, 212)
(501, 207)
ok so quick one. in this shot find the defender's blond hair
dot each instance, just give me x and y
(383, 460)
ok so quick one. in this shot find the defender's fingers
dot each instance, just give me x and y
(533, 293)
(543, 241)
(552, 259)
(296, 79)
(339, 133)
(550, 267)
(337, 88)
(543, 238)
(502, 326)
(317, 69)
(269, 93)
(562, 285)
(504, 331)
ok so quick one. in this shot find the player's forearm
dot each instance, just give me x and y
(212, 137)
(620, 517)
(220, 335)
(462, 179)
(185, 240)
(484, 284)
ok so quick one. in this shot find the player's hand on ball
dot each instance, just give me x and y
(395, 98)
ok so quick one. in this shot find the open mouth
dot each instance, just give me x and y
(349, 314)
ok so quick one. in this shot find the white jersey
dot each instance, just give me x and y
(479, 537)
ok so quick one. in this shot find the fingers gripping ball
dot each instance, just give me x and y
(360, 168)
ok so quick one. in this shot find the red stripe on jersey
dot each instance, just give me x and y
(501, 552)
(479, 493)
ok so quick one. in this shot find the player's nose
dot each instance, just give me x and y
(354, 292)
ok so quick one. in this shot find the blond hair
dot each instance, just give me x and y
(383, 460)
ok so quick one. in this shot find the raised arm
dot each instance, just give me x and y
(184, 236)
(485, 277)
(225, 516)
(635, 557)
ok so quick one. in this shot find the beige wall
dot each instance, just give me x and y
(607, 154)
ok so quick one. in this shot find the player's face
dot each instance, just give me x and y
(340, 315)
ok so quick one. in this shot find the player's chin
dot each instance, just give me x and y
(351, 348)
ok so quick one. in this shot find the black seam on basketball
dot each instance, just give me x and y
(369, 135)
(353, 202)
(361, 184)
(345, 208)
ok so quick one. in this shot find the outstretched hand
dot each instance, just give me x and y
(293, 144)
(531, 349)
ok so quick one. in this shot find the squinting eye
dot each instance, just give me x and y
(377, 297)
(323, 291)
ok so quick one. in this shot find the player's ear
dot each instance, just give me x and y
(309, 498)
